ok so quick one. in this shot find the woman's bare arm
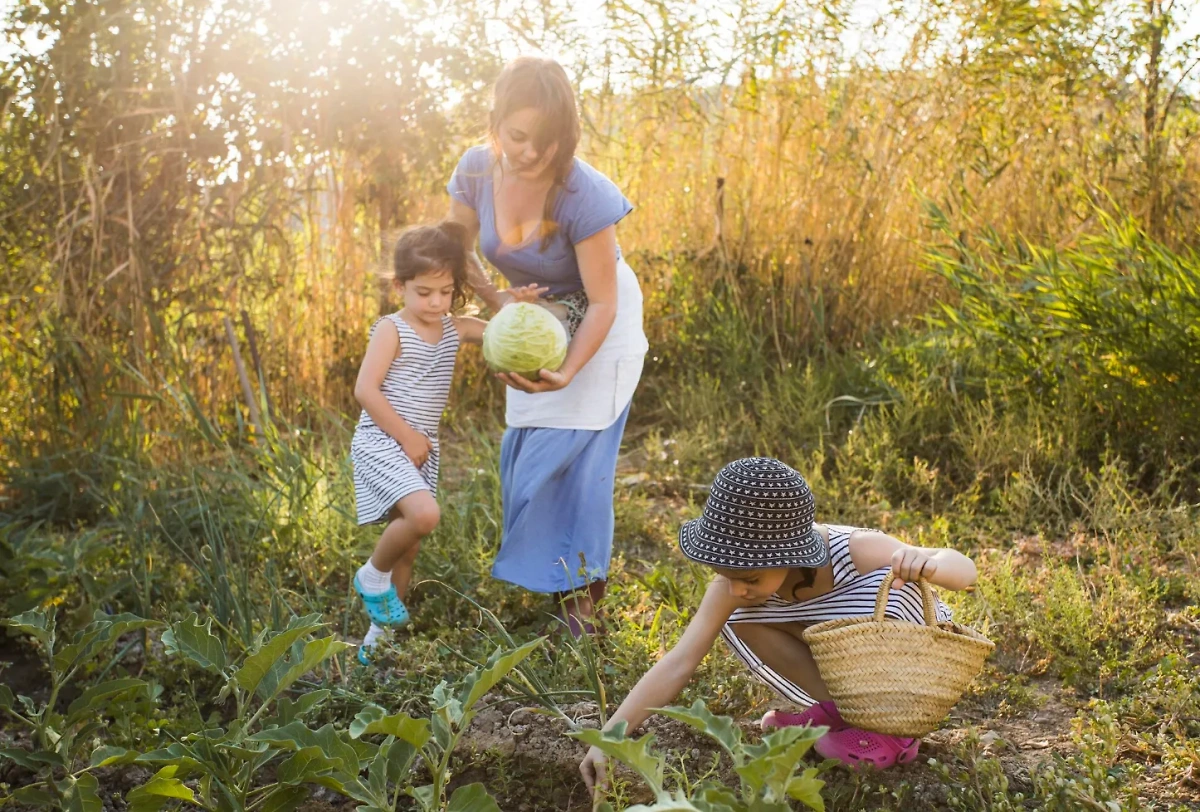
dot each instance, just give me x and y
(597, 256)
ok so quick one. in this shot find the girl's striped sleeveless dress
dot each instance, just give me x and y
(416, 385)
(853, 594)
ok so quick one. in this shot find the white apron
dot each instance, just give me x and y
(604, 386)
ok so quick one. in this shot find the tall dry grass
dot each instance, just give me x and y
(257, 163)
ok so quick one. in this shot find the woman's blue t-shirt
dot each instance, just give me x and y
(587, 203)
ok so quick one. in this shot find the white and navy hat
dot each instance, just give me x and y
(759, 514)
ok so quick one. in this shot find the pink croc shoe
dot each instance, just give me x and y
(856, 747)
(822, 714)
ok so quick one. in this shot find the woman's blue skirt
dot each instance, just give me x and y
(557, 490)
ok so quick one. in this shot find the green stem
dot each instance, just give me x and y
(14, 714)
(439, 782)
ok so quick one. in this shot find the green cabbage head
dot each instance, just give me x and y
(524, 338)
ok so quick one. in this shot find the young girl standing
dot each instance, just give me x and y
(403, 385)
(777, 573)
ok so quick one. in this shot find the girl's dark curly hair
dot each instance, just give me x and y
(441, 246)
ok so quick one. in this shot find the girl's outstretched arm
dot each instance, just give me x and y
(663, 682)
(941, 566)
(470, 329)
(381, 351)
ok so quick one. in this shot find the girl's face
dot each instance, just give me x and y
(753, 585)
(428, 295)
(518, 151)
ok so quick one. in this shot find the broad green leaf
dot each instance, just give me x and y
(84, 796)
(158, 790)
(372, 719)
(296, 736)
(482, 680)
(472, 798)
(668, 803)
(720, 728)
(275, 674)
(177, 756)
(6, 698)
(308, 764)
(448, 708)
(770, 765)
(315, 653)
(424, 796)
(712, 798)
(634, 753)
(351, 788)
(35, 797)
(244, 751)
(94, 699)
(806, 788)
(283, 799)
(443, 721)
(107, 755)
(197, 643)
(390, 765)
(30, 707)
(377, 772)
(97, 636)
(260, 662)
(34, 623)
(763, 805)
(91, 729)
(35, 760)
(289, 710)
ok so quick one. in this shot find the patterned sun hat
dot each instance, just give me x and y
(759, 514)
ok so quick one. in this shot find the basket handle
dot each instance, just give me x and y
(927, 599)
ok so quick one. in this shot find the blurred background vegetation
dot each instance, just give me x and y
(169, 163)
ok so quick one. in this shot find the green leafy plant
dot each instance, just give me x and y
(229, 761)
(767, 770)
(435, 739)
(60, 738)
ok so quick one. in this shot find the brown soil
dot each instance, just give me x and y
(543, 762)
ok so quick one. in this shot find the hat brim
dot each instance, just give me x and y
(718, 551)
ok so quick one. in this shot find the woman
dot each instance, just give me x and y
(547, 220)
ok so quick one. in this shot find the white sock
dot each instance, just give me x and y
(373, 581)
(373, 634)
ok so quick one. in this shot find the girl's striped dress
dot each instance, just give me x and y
(416, 385)
(853, 594)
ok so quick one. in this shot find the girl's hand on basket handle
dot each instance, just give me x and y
(912, 564)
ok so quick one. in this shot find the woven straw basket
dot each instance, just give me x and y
(892, 676)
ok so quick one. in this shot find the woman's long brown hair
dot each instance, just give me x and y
(543, 85)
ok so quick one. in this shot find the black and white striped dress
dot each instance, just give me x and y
(853, 594)
(417, 385)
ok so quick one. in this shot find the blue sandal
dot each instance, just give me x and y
(384, 608)
(366, 654)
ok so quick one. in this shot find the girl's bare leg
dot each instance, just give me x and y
(402, 572)
(414, 517)
(780, 647)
